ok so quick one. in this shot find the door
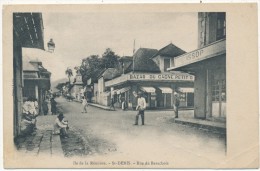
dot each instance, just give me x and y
(167, 100)
(190, 99)
(219, 98)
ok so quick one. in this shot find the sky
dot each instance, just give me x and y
(79, 35)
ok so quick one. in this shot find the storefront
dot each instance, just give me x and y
(158, 89)
(208, 64)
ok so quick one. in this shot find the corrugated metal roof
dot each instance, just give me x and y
(28, 28)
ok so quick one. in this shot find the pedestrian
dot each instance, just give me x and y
(176, 104)
(123, 103)
(45, 107)
(112, 102)
(61, 126)
(141, 106)
(53, 106)
(84, 105)
(36, 106)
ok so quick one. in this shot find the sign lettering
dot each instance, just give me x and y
(179, 77)
(217, 48)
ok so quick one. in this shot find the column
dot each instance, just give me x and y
(200, 94)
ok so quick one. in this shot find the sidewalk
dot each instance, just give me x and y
(214, 127)
(41, 142)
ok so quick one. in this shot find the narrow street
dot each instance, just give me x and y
(112, 133)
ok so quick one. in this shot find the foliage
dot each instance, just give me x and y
(93, 65)
(110, 59)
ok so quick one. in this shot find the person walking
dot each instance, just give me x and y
(141, 106)
(53, 106)
(176, 104)
(112, 103)
(45, 107)
(84, 105)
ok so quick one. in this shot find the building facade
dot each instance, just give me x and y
(27, 32)
(77, 88)
(208, 64)
(146, 73)
(36, 81)
(102, 93)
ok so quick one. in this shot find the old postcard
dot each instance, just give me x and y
(130, 86)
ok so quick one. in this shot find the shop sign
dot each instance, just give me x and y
(215, 49)
(149, 77)
(158, 77)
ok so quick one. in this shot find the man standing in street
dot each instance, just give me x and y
(84, 104)
(176, 104)
(141, 106)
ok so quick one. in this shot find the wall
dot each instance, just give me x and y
(17, 86)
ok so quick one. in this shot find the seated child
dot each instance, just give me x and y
(61, 126)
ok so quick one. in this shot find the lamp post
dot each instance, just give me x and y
(51, 46)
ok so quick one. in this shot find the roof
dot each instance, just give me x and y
(29, 29)
(143, 62)
(110, 73)
(170, 51)
(126, 58)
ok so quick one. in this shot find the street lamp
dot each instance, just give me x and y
(51, 46)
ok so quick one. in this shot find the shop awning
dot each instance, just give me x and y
(30, 75)
(186, 90)
(166, 89)
(123, 90)
(148, 89)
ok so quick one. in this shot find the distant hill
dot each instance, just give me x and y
(56, 82)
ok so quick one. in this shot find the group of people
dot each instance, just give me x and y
(45, 107)
(113, 101)
(29, 114)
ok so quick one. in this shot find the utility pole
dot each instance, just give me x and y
(133, 56)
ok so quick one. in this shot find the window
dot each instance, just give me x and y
(29, 90)
(219, 90)
(221, 26)
(182, 96)
(167, 63)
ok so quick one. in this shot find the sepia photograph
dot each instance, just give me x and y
(106, 88)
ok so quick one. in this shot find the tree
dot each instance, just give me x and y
(110, 59)
(69, 73)
(90, 66)
(93, 65)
